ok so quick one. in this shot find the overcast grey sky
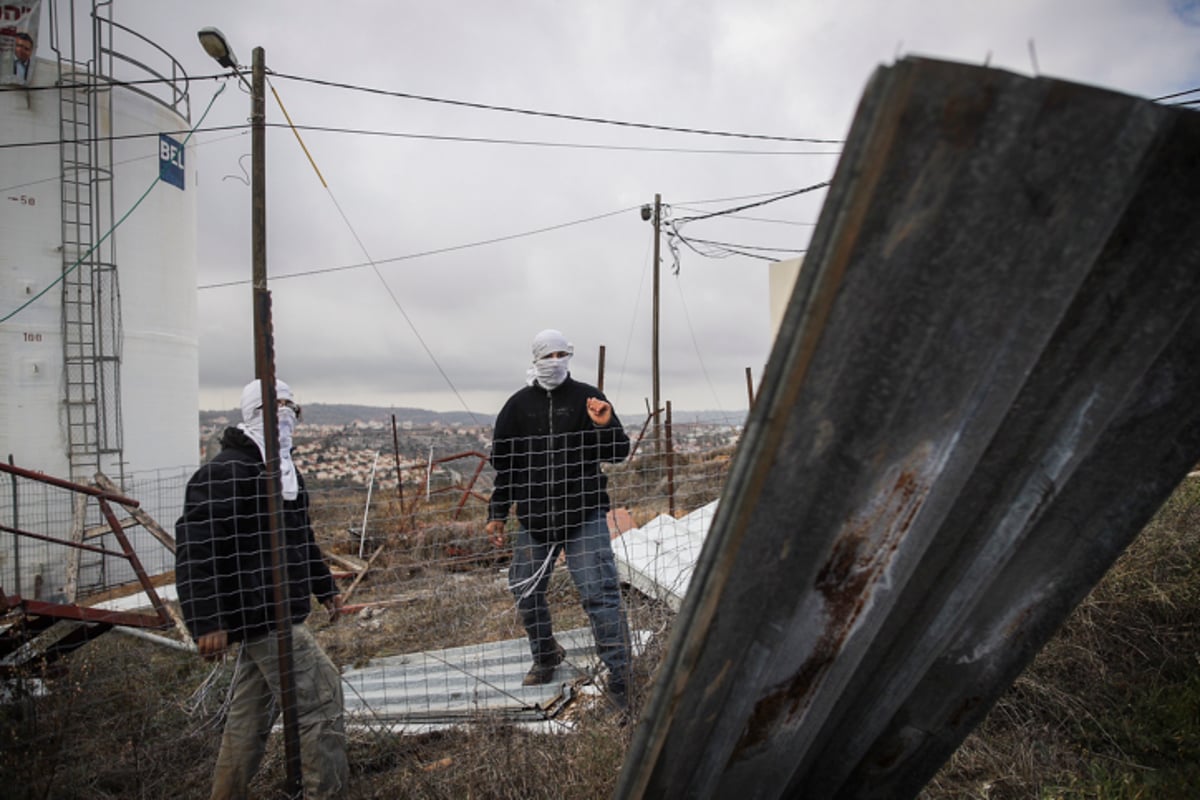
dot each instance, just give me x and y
(458, 329)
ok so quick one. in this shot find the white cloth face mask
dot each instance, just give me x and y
(551, 372)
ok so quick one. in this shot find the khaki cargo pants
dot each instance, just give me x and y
(254, 709)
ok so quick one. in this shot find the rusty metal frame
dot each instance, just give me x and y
(71, 611)
(468, 491)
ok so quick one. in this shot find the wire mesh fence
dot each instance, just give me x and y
(428, 637)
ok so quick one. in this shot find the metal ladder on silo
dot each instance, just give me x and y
(90, 296)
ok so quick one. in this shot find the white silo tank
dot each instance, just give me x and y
(154, 251)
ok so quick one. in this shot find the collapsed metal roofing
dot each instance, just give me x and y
(658, 558)
(984, 385)
(427, 690)
(432, 689)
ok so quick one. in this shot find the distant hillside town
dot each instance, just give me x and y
(347, 445)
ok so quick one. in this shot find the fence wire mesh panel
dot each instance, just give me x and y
(428, 641)
(432, 657)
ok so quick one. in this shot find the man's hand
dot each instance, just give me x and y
(599, 411)
(495, 532)
(213, 645)
(334, 604)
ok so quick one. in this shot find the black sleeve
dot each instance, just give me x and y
(209, 513)
(501, 460)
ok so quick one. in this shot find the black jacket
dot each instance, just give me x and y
(547, 454)
(223, 553)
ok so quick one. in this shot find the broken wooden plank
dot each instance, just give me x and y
(143, 518)
(349, 592)
(352, 563)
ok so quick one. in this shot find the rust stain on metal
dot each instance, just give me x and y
(857, 559)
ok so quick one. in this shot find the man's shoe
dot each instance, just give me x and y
(618, 698)
(618, 695)
(543, 671)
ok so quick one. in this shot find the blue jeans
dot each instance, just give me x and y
(594, 571)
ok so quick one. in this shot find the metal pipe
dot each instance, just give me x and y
(670, 464)
(74, 487)
(16, 524)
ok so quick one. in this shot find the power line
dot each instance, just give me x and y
(556, 115)
(724, 250)
(430, 137)
(493, 107)
(1176, 94)
(498, 239)
(121, 163)
(721, 250)
(784, 196)
(747, 246)
(760, 219)
(154, 183)
(374, 265)
(696, 344)
(734, 199)
(424, 253)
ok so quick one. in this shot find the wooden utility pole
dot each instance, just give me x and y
(654, 336)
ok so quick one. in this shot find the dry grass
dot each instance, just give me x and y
(1110, 708)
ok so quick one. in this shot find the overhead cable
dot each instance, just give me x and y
(481, 107)
(425, 253)
(153, 183)
(557, 115)
(775, 199)
(433, 138)
(374, 265)
(1176, 94)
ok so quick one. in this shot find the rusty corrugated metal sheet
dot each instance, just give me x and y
(983, 387)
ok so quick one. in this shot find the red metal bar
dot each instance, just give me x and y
(41, 477)
(134, 561)
(64, 542)
(40, 608)
(399, 471)
(457, 456)
(472, 493)
(642, 433)
(469, 490)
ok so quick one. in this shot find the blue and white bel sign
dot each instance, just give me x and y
(170, 160)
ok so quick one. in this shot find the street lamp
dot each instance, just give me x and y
(215, 44)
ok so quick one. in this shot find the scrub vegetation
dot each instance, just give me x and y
(1110, 708)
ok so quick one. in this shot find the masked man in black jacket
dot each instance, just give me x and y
(223, 572)
(549, 442)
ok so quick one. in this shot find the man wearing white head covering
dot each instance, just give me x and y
(223, 570)
(547, 447)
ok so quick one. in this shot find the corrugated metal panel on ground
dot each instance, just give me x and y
(984, 385)
(658, 558)
(425, 690)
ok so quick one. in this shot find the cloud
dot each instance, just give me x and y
(448, 329)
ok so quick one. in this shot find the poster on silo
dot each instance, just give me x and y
(18, 41)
